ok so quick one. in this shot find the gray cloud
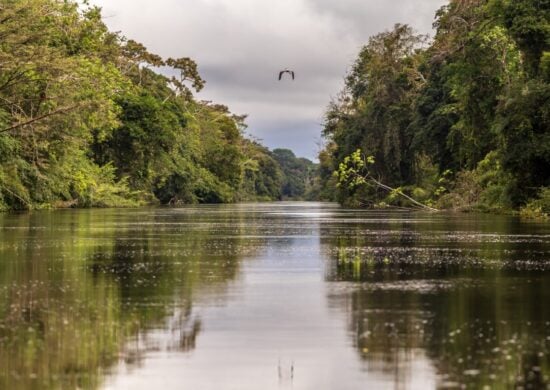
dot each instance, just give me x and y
(363, 18)
(240, 45)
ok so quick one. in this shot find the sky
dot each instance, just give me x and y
(241, 45)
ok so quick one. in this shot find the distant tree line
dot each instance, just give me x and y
(461, 121)
(300, 176)
(87, 120)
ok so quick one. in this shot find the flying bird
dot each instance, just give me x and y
(290, 72)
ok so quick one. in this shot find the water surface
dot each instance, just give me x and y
(273, 296)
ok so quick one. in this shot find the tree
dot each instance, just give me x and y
(471, 110)
(298, 173)
(86, 119)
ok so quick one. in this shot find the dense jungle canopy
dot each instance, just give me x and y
(87, 119)
(90, 118)
(460, 121)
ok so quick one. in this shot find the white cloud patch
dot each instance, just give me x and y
(240, 46)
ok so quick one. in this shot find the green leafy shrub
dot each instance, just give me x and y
(538, 208)
(484, 188)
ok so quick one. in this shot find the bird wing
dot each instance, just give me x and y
(281, 74)
(292, 72)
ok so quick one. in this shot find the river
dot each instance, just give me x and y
(273, 296)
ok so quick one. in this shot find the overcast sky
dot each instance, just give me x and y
(240, 46)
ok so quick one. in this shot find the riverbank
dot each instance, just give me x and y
(87, 119)
(459, 121)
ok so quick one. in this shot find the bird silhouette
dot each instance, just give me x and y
(290, 72)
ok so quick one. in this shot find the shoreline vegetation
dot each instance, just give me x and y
(87, 120)
(459, 122)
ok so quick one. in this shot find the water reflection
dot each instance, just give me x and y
(466, 294)
(80, 290)
(272, 296)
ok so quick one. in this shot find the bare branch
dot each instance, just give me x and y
(31, 121)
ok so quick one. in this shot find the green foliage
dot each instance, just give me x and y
(538, 208)
(299, 175)
(57, 91)
(327, 186)
(523, 124)
(463, 123)
(484, 188)
(353, 171)
(95, 186)
(262, 175)
(86, 122)
(354, 175)
(374, 111)
(545, 66)
(527, 22)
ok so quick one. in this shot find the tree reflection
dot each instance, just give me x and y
(80, 290)
(471, 299)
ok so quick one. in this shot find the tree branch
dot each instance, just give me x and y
(16, 196)
(58, 111)
(388, 188)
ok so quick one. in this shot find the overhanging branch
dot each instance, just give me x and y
(38, 118)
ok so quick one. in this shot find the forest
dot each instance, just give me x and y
(89, 118)
(360, 291)
(460, 121)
